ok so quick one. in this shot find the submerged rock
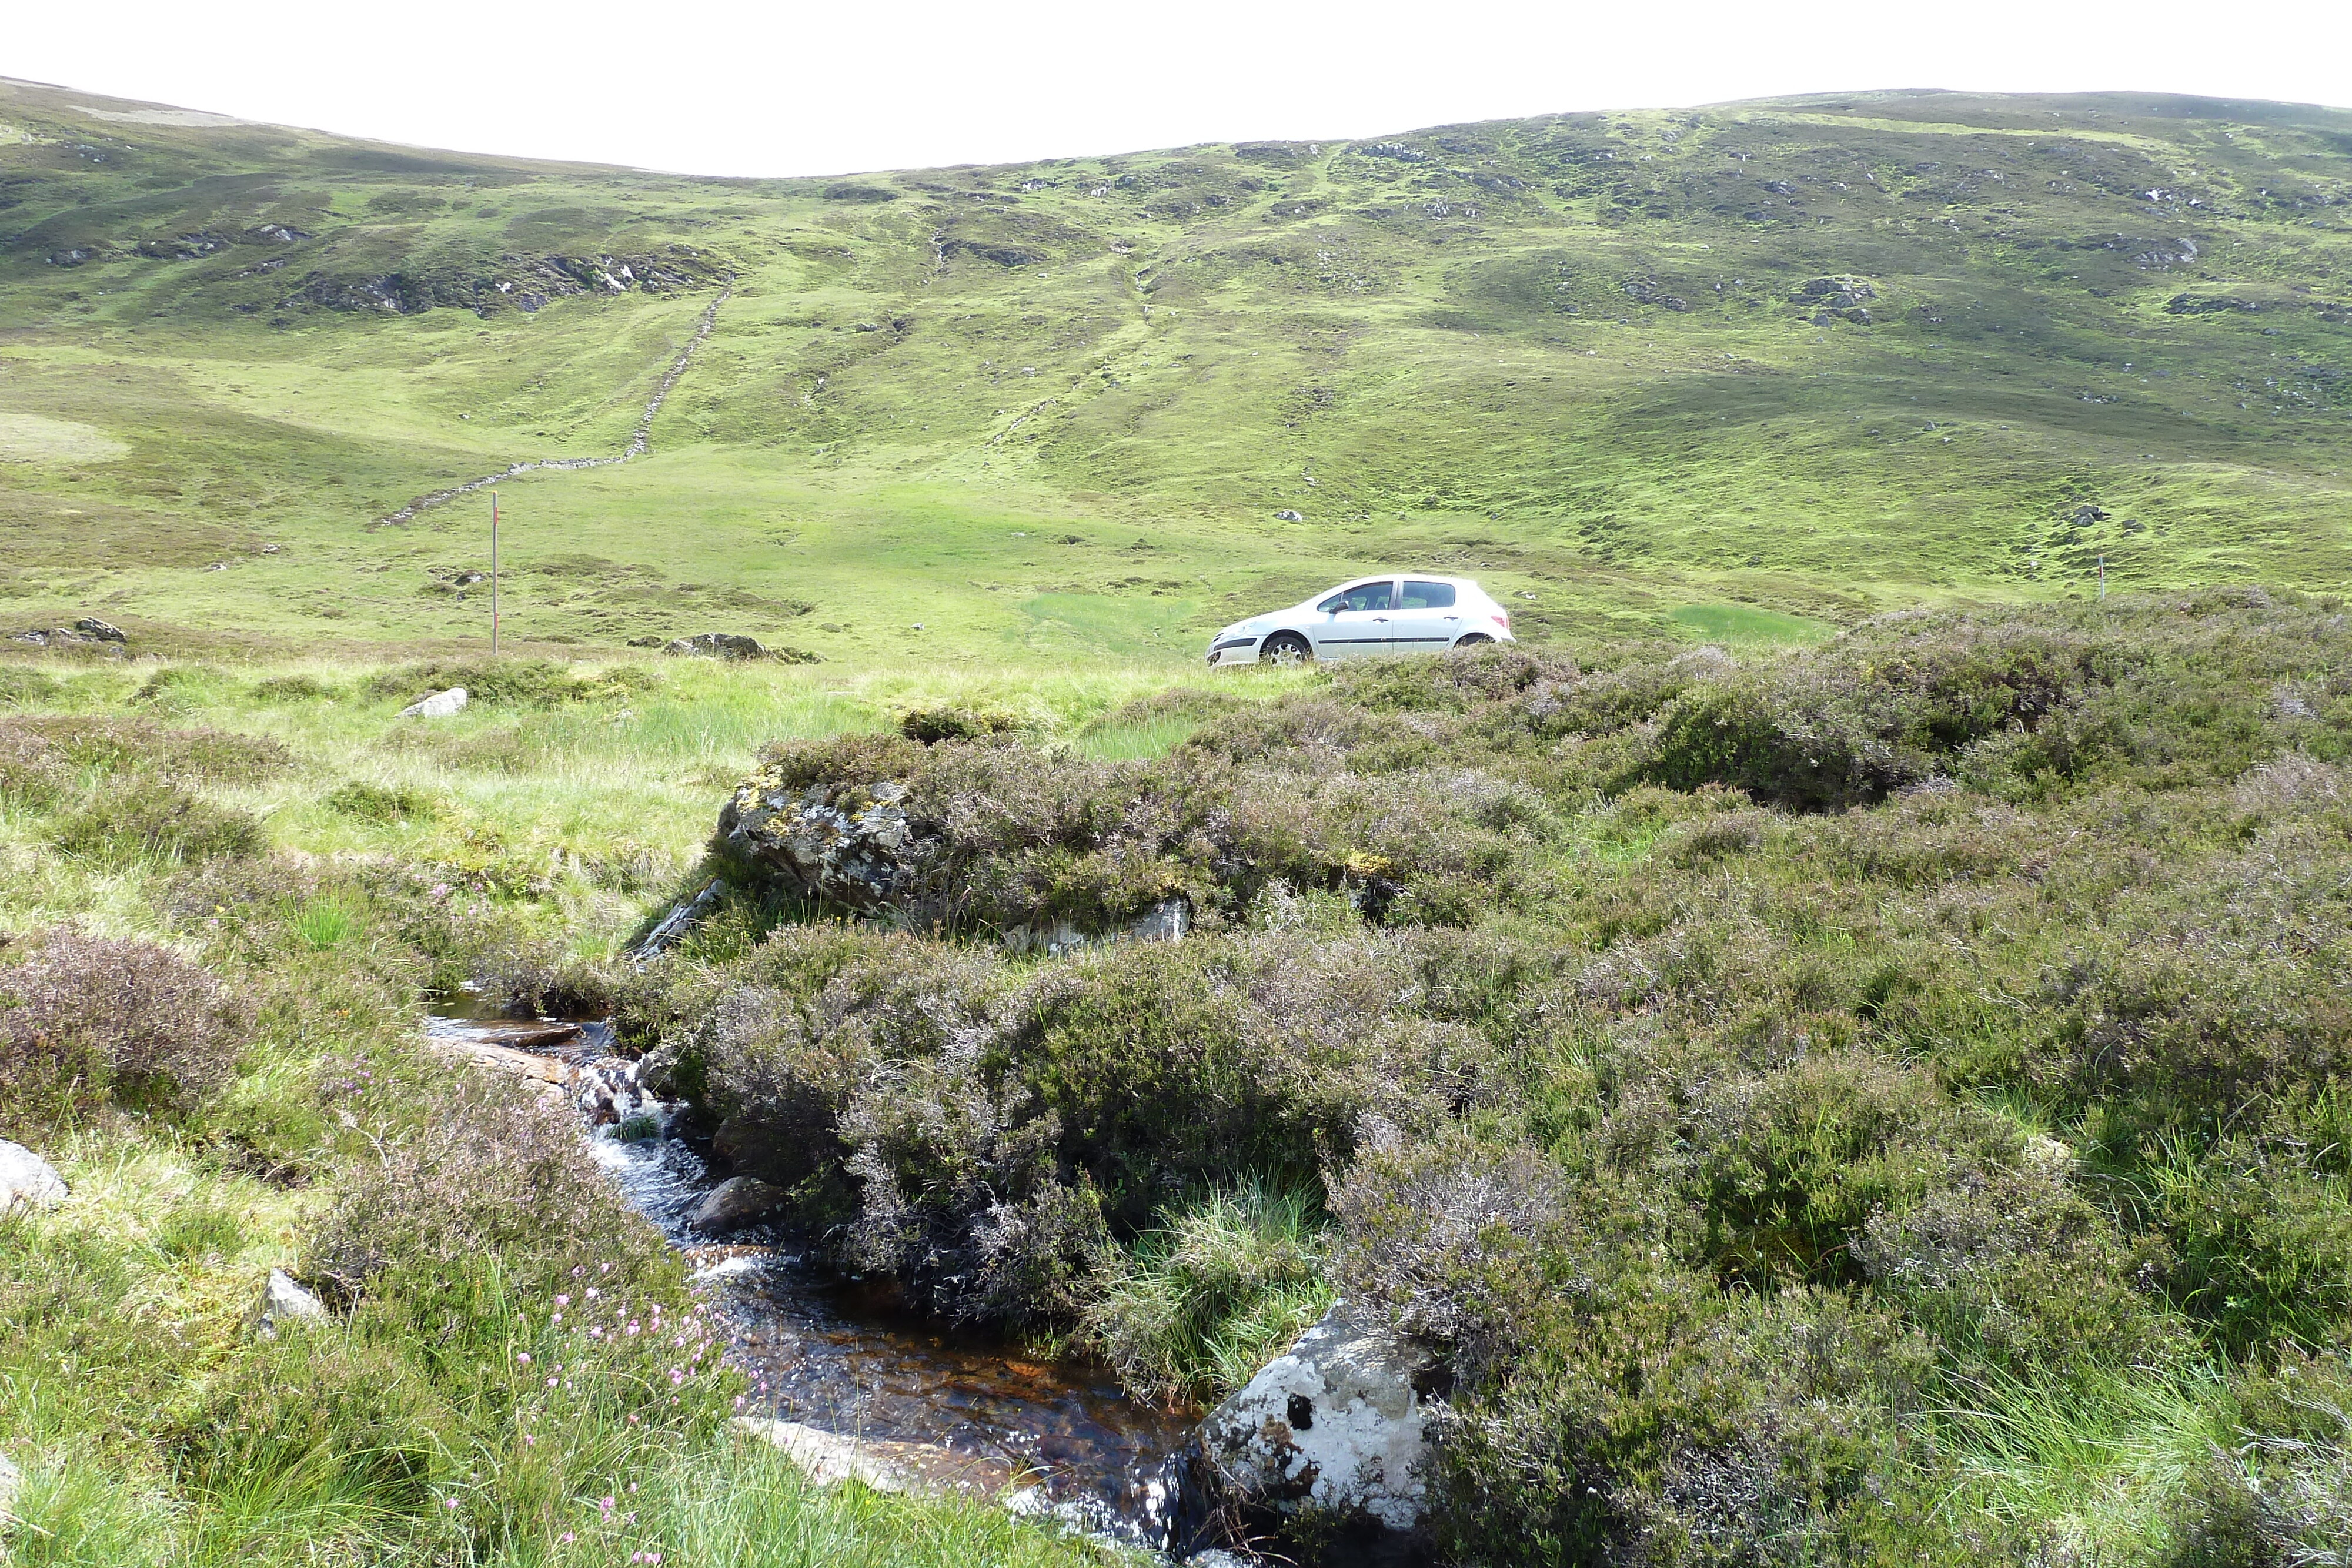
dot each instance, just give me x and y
(1334, 1425)
(27, 1180)
(440, 705)
(282, 1304)
(736, 1202)
(881, 1463)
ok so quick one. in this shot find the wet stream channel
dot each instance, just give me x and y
(952, 1408)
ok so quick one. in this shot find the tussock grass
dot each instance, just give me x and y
(1194, 1307)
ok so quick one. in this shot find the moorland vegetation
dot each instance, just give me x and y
(1876, 1103)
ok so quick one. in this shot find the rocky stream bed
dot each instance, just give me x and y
(845, 1378)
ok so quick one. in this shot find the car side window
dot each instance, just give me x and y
(1428, 595)
(1367, 595)
(1333, 605)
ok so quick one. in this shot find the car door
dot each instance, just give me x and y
(1427, 617)
(1355, 620)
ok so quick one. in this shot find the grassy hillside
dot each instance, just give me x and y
(1744, 372)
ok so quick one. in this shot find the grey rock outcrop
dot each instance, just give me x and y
(440, 705)
(12, 1481)
(27, 1180)
(683, 917)
(847, 844)
(717, 645)
(736, 1202)
(89, 628)
(283, 1305)
(1334, 1424)
(855, 846)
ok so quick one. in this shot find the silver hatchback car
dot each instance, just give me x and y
(1394, 614)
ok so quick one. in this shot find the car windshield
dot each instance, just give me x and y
(1428, 595)
(1359, 596)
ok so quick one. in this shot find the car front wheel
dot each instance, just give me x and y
(1286, 649)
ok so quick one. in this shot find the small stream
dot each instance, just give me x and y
(958, 1409)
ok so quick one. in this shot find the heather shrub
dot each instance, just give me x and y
(86, 1020)
(1669, 1424)
(2010, 1265)
(465, 1166)
(782, 1062)
(1460, 1245)
(33, 773)
(142, 746)
(144, 818)
(938, 722)
(21, 687)
(1785, 1167)
(960, 1196)
(380, 802)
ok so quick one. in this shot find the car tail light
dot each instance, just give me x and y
(1503, 619)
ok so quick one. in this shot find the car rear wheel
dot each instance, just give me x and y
(1287, 649)
(1473, 640)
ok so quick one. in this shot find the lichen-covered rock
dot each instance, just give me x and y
(847, 844)
(27, 1180)
(857, 846)
(1334, 1424)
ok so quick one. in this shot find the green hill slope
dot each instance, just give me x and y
(1737, 372)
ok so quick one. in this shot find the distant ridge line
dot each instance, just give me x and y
(640, 440)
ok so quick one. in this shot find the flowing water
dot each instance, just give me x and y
(845, 1356)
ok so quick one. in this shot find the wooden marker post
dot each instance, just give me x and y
(2103, 579)
(494, 573)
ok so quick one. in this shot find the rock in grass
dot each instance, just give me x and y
(12, 1481)
(736, 1202)
(27, 1180)
(283, 1304)
(717, 645)
(440, 705)
(1334, 1425)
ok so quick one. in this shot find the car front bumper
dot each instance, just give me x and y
(1235, 650)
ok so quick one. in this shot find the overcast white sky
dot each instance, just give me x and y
(724, 87)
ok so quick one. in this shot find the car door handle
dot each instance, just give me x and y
(1380, 618)
(1454, 618)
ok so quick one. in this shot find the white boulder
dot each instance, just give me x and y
(282, 1304)
(1334, 1424)
(440, 705)
(27, 1180)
